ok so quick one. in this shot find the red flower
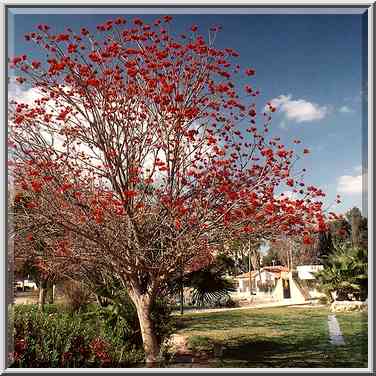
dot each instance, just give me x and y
(306, 151)
(19, 119)
(93, 82)
(62, 37)
(31, 205)
(63, 114)
(137, 22)
(20, 345)
(250, 72)
(95, 56)
(72, 48)
(66, 186)
(252, 113)
(248, 89)
(130, 193)
(307, 240)
(36, 186)
(167, 18)
(35, 64)
(290, 182)
(120, 21)
(42, 27)
(247, 229)
(20, 80)
(194, 28)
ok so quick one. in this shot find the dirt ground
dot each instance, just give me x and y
(185, 358)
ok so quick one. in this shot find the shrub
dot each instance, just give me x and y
(121, 327)
(97, 337)
(162, 320)
(345, 274)
(77, 295)
(43, 339)
(223, 302)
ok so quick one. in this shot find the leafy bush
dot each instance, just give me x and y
(100, 336)
(345, 273)
(43, 339)
(223, 302)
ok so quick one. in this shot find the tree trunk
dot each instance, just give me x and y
(42, 294)
(356, 219)
(181, 294)
(249, 267)
(50, 293)
(151, 347)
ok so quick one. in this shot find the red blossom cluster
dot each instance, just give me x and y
(100, 349)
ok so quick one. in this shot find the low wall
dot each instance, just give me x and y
(348, 306)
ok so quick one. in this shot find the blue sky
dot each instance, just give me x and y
(310, 65)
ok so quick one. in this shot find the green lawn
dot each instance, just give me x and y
(276, 337)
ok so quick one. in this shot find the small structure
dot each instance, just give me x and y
(25, 284)
(21, 280)
(305, 271)
(271, 284)
(260, 280)
(308, 280)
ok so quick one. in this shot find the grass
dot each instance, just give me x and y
(354, 327)
(276, 338)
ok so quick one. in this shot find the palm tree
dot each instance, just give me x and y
(345, 273)
(209, 285)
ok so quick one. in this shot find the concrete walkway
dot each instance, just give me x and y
(335, 333)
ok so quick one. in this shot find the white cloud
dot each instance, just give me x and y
(358, 169)
(345, 109)
(299, 110)
(289, 195)
(28, 96)
(348, 184)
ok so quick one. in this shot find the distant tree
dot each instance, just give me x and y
(345, 257)
(272, 257)
(30, 247)
(350, 228)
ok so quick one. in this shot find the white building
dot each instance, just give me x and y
(305, 271)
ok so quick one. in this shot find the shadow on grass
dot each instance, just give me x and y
(276, 354)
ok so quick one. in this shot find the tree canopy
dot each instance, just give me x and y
(141, 153)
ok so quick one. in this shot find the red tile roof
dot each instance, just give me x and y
(271, 269)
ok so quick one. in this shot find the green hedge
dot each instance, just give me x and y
(97, 337)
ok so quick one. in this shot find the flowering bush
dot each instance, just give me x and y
(44, 339)
(59, 338)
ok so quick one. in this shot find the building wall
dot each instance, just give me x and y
(296, 295)
(263, 277)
